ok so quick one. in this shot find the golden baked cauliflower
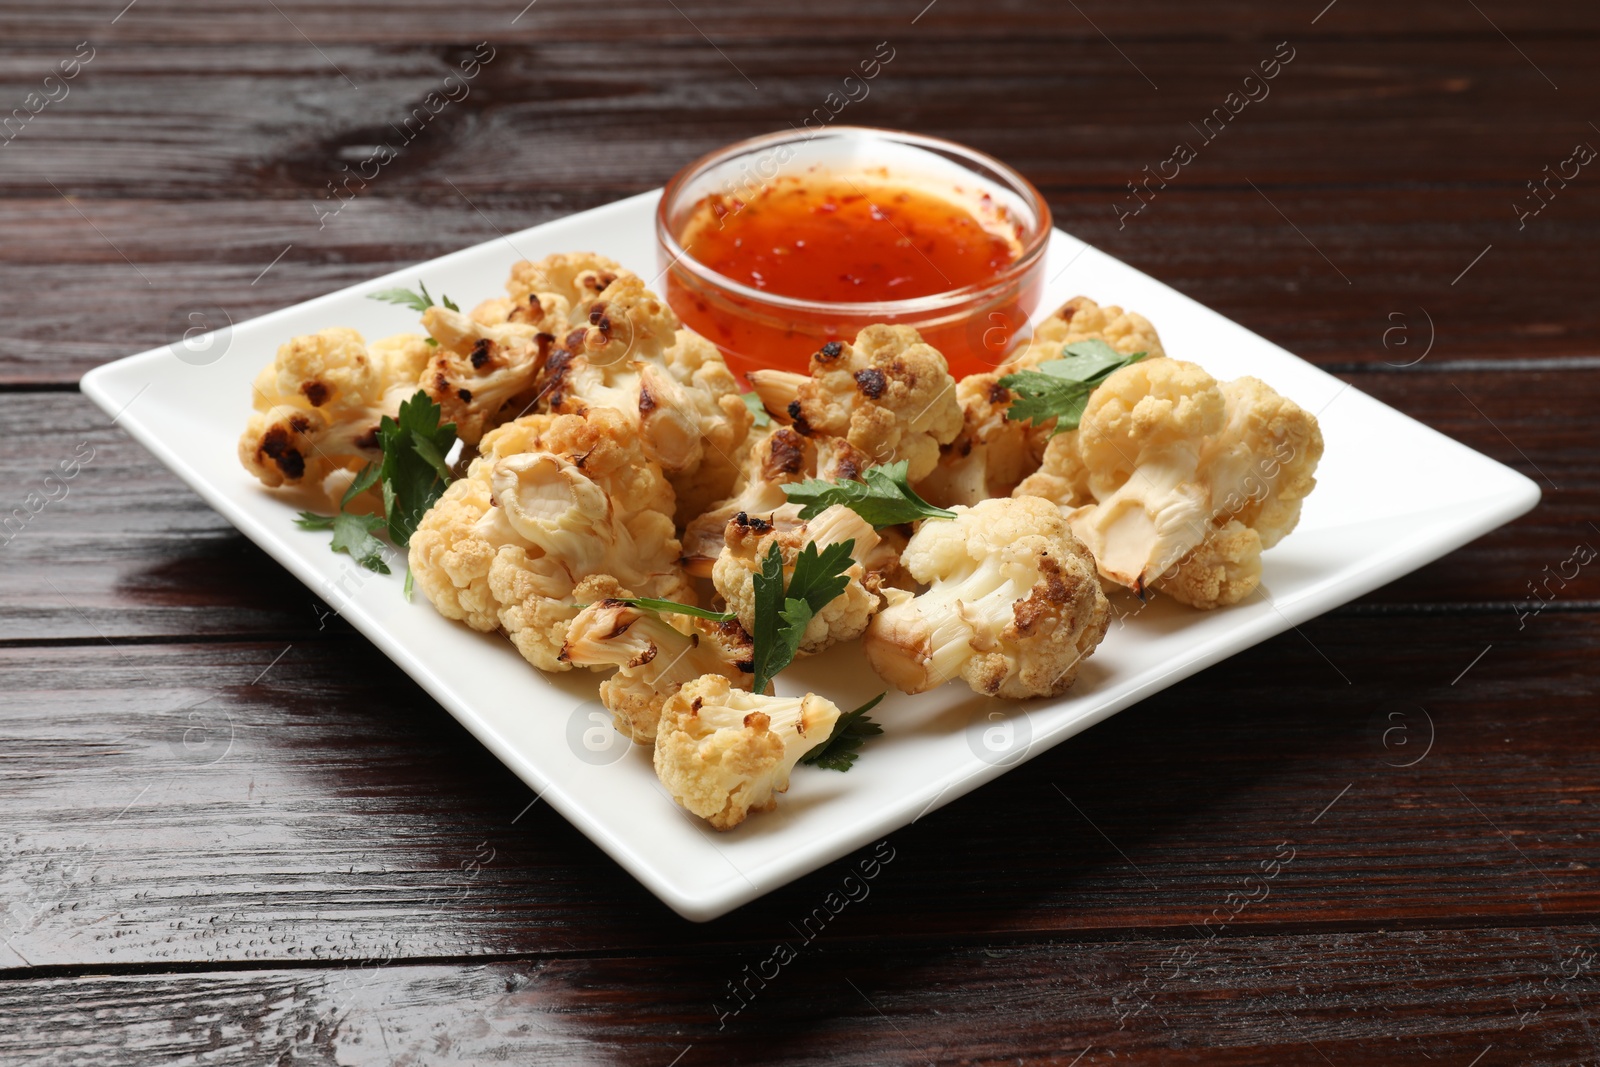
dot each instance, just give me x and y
(991, 453)
(888, 394)
(723, 752)
(1013, 605)
(490, 366)
(655, 656)
(1187, 480)
(479, 375)
(1081, 319)
(318, 404)
(750, 538)
(543, 293)
(557, 511)
(778, 456)
(627, 351)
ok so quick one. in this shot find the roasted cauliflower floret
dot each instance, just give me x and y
(1263, 464)
(1173, 462)
(543, 293)
(888, 394)
(749, 539)
(1013, 605)
(1081, 319)
(558, 510)
(481, 375)
(630, 354)
(1062, 477)
(453, 548)
(989, 456)
(723, 752)
(778, 457)
(710, 392)
(1223, 569)
(318, 404)
(655, 656)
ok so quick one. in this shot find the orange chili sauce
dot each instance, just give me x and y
(839, 241)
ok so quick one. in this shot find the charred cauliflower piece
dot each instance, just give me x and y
(748, 539)
(481, 375)
(1177, 482)
(989, 456)
(778, 457)
(318, 405)
(655, 656)
(723, 752)
(1013, 605)
(888, 394)
(558, 510)
(629, 353)
(488, 366)
(543, 294)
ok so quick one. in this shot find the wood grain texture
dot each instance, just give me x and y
(1368, 151)
(302, 801)
(1006, 22)
(1262, 1002)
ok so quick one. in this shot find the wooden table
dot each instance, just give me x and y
(232, 832)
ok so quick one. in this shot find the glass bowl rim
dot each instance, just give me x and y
(1033, 248)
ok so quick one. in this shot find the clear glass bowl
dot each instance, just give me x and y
(975, 326)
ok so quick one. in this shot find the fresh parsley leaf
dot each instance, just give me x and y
(1084, 360)
(365, 479)
(352, 534)
(782, 614)
(753, 402)
(884, 498)
(418, 302)
(659, 606)
(413, 474)
(1060, 388)
(838, 752)
(820, 576)
(767, 587)
(796, 616)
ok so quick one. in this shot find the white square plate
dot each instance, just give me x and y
(1392, 496)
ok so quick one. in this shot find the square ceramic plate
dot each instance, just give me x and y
(1392, 496)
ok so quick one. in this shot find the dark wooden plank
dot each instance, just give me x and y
(88, 305)
(1492, 996)
(130, 552)
(293, 801)
(192, 122)
(1372, 147)
(417, 22)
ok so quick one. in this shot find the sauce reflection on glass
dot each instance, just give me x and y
(840, 240)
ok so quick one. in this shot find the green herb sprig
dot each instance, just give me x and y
(418, 302)
(884, 497)
(411, 477)
(1060, 388)
(645, 603)
(783, 613)
(852, 730)
(757, 409)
